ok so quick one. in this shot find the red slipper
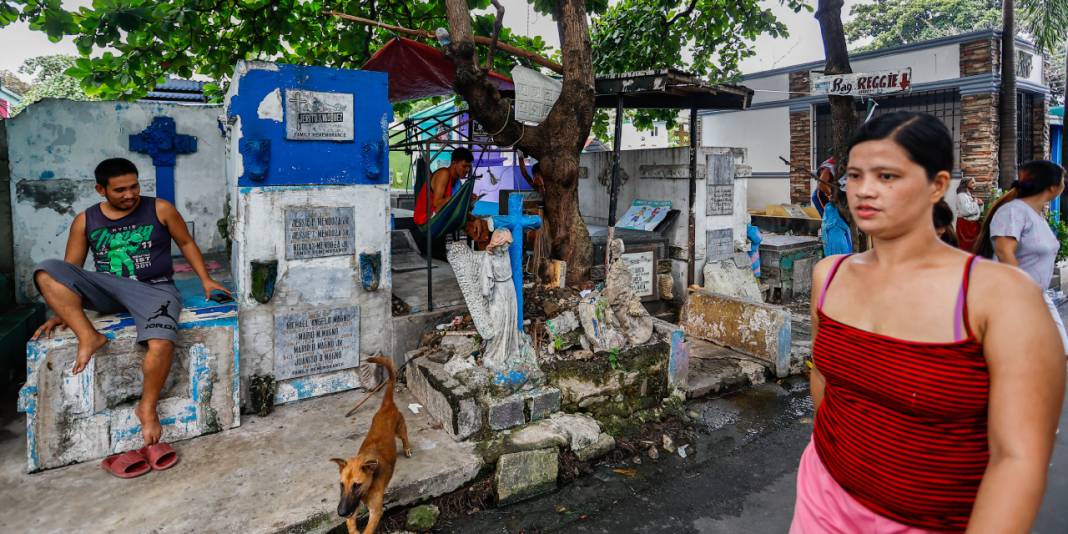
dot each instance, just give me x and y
(129, 464)
(160, 456)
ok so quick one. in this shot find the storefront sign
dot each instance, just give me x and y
(862, 84)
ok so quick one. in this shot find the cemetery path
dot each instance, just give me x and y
(740, 478)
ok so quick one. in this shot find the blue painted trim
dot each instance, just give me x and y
(782, 363)
(924, 45)
(363, 160)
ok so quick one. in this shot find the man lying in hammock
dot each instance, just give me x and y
(442, 183)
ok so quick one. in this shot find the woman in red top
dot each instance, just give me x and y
(937, 380)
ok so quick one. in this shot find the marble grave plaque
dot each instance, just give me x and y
(642, 272)
(315, 232)
(720, 200)
(319, 116)
(316, 341)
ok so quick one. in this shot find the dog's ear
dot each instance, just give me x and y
(340, 463)
(370, 466)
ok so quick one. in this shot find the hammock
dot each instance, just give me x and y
(453, 215)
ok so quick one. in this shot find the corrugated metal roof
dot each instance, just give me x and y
(177, 90)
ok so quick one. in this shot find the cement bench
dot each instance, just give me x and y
(71, 419)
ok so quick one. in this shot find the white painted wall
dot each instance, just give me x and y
(317, 283)
(54, 145)
(764, 132)
(594, 198)
(634, 139)
(928, 65)
(763, 191)
(769, 88)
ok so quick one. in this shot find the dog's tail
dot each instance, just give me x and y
(390, 380)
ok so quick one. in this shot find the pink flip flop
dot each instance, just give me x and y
(160, 456)
(129, 464)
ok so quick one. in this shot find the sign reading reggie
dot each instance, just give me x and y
(860, 84)
(319, 232)
(317, 116)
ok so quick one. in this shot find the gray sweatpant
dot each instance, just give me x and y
(154, 307)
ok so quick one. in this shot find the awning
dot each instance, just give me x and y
(417, 70)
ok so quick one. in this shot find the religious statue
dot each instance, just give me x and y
(486, 281)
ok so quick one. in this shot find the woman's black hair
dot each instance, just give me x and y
(943, 218)
(924, 137)
(1034, 177)
(962, 187)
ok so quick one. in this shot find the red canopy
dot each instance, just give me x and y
(417, 70)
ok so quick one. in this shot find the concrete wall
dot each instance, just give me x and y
(765, 132)
(342, 175)
(640, 168)
(53, 147)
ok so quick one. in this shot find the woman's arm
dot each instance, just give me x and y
(1027, 374)
(1005, 249)
(816, 383)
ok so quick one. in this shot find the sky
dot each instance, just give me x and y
(20, 43)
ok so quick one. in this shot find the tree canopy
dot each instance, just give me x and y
(897, 22)
(127, 46)
(50, 80)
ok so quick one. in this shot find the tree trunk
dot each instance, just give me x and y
(1007, 109)
(843, 112)
(558, 140)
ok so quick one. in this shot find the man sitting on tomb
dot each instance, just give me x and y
(130, 238)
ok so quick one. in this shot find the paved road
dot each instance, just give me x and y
(741, 479)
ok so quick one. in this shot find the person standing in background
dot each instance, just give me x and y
(1016, 232)
(969, 209)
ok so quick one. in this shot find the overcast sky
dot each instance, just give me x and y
(18, 42)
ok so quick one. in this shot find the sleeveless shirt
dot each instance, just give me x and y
(134, 246)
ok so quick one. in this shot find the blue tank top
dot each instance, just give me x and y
(135, 246)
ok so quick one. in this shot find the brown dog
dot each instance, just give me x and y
(364, 477)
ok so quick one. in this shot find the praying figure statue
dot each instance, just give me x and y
(486, 281)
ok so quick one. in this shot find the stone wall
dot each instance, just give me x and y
(54, 146)
(978, 57)
(978, 139)
(800, 156)
(1040, 128)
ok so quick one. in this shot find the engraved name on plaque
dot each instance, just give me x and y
(316, 341)
(319, 232)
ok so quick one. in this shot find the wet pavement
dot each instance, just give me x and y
(738, 478)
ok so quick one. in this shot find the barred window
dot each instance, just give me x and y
(1025, 105)
(944, 104)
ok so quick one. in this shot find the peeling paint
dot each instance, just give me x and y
(271, 106)
(55, 195)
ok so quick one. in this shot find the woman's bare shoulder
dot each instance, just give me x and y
(994, 285)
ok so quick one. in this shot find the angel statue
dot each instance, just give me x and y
(485, 279)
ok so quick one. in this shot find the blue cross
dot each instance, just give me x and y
(161, 141)
(516, 222)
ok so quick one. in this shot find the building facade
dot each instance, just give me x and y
(955, 78)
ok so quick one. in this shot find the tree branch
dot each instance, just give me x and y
(424, 34)
(689, 9)
(498, 23)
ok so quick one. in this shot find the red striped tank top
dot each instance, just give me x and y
(903, 424)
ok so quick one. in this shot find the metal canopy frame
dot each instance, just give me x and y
(664, 89)
(425, 136)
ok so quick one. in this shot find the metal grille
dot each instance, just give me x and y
(1024, 142)
(942, 104)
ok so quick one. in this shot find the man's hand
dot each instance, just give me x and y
(211, 285)
(48, 327)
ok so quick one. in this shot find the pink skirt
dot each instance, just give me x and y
(823, 506)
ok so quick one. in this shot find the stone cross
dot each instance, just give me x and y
(161, 141)
(516, 223)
